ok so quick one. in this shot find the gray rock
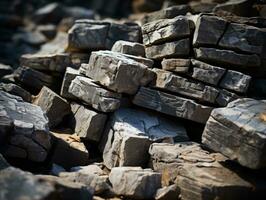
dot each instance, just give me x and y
(248, 39)
(135, 182)
(145, 61)
(165, 30)
(88, 124)
(169, 49)
(24, 129)
(176, 65)
(227, 57)
(78, 58)
(244, 120)
(131, 48)
(69, 76)
(225, 97)
(16, 90)
(53, 105)
(118, 72)
(209, 29)
(5, 70)
(201, 174)
(235, 81)
(92, 94)
(46, 62)
(168, 193)
(207, 73)
(129, 128)
(172, 105)
(167, 81)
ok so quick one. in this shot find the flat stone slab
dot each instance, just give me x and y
(239, 132)
(176, 65)
(94, 95)
(172, 105)
(69, 76)
(131, 48)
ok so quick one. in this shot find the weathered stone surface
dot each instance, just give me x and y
(227, 57)
(92, 94)
(169, 49)
(248, 39)
(173, 83)
(235, 81)
(165, 30)
(129, 128)
(87, 123)
(118, 72)
(203, 175)
(131, 48)
(135, 182)
(53, 105)
(69, 151)
(207, 73)
(168, 193)
(209, 29)
(238, 131)
(145, 61)
(16, 90)
(69, 76)
(176, 65)
(172, 105)
(23, 128)
(6, 69)
(225, 97)
(42, 62)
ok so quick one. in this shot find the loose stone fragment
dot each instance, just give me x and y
(238, 132)
(172, 105)
(135, 182)
(131, 48)
(169, 49)
(16, 90)
(176, 65)
(70, 75)
(92, 94)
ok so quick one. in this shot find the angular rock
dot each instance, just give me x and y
(176, 65)
(6, 69)
(169, 49)
(201, 174)
(135, 182)
(165, 30)
(238, 132)
(88, 124)
(172, 105)
(16, 90)
(131, 48)
(92, 94)
(167, 81)
(227, 57)
(69, 151)
(24, 129)
(226, 97)
(128, 128)
(209, 29)
(118, 72)
(69, 76)
(168, 193)
(207, 73)
(53, 105)
(145, 61)
(235, 81)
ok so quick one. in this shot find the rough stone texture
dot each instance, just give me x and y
(129, 128)
(207, 73)
(235, 81)
(209, 29)
(145, 61)
(70, 75)
(238, 131)
(203, 175)
(46, 62)
(169, 49)
(135, 182)
(95, 35)
(5, 69)
(69, 151)
(227, 57)
(172, 105)
(94, 95)
(168, 193)
(225, 97)
(176, 65)
(24, 129)
(165, 30)
(53, 105)
(131, 48)
(167, 81)
(16, 90)
(118, 72)
(87, 123)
